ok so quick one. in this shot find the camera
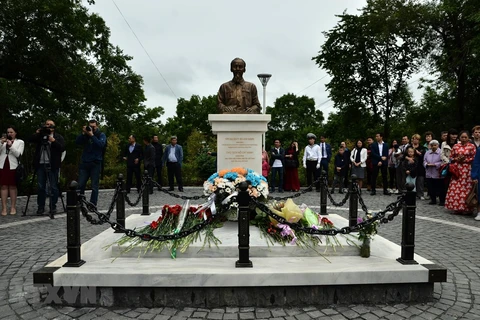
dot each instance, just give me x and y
(45, 130)
(9, 137)
(88, 128)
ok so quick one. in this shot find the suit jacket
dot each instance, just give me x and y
(277, 155)
(377, 157)
(137, 153)
(178, 153)
(328, 148)
(56, 149)
(149, 156)
(158, 154)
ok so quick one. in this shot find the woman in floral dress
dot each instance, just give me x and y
(461, 157)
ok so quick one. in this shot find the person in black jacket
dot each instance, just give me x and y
(277, 157)
(158, 160)
(133, 154)
(48, 157)
(410, 165)
(341, 165)
(149, 160)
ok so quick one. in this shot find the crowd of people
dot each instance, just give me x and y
(449, 168)
(49, 153)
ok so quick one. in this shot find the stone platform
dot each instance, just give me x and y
(281, 275)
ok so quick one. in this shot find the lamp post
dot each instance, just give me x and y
(264, 77)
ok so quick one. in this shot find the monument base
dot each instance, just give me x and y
(239, 139)
(280, 276)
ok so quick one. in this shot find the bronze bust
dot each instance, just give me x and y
(238, 95)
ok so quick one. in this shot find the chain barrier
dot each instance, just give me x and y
(157, 185)
(362, 203)
(87, 207)
(336, 204)
(296, 195)
(93, 208)
(379, 216)
(142, 190)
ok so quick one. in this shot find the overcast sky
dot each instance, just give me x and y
(192, 43)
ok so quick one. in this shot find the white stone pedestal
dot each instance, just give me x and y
(239, 139)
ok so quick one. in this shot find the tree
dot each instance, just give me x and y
(371, 56)
(191, 115)
(454, 39)
(292, 118)
(56, 61)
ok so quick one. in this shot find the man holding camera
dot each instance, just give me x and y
(93, 142)
(48, 157)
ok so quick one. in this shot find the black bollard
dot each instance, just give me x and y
(120, 204)
(408, 226)
(73, 228)
(146, 195)
(353, 202)
(323, 193)
(243, 200)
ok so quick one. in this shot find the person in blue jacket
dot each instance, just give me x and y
(475, 173)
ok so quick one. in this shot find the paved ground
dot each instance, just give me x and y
(29, 243)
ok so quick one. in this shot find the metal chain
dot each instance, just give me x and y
(379, 216)
(142, 190)
(90, 207)
(362, 203)
(338, 204)
(156, 184)
(296, 195)
(103, 218)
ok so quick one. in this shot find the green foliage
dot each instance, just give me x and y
(292, 118)
(370, 56)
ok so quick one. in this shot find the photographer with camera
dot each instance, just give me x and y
(94, 143)
(47, 160)
(11, 149)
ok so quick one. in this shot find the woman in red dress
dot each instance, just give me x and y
(461, 157)
(11, 149)
(291, 181)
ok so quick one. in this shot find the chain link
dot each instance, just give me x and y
(362, 203)
(140, 193)
(296, 195)
(379, 216)
(90, 207)
(103, 218)
(156, 184)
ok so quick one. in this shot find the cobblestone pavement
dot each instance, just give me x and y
(29, 243)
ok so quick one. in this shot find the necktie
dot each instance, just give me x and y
(324, 151)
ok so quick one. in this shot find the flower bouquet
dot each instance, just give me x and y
(282, 233)
(172, 220)
(223, 185)
(366, 234)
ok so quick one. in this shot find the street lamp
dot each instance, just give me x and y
(264, 77)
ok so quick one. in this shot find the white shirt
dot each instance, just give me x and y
(277, 163)
(380, 148)
(312, 153)
(171, 155)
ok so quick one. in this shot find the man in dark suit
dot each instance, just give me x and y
(326, 149)
(173, 157)
(133, 154)
(277, 157)
(149, 160)
(380, 163)
(158, 160)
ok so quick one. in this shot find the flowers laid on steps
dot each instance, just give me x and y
(276, 232)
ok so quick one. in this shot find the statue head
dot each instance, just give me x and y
(238, 67)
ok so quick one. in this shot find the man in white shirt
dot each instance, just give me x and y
(311, 161)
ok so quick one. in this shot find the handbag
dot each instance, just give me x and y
(291, 163)
(453, 170)
(444, 170)
(472, 197)
(20, 173)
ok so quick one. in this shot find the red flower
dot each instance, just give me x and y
(327, 222)
(154, 225)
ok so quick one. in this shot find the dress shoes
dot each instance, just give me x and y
(387, 193)
(170, 189)
(373, 193)
(40, 211)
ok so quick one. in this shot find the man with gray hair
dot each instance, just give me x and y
(173, 158)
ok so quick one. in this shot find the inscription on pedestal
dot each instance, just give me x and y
(240, 150)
